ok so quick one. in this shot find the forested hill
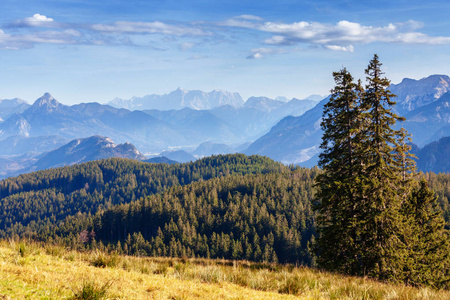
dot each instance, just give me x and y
(43, 198)
(226, 206)
(258, 217)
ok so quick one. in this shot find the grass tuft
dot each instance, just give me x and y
(22, 248)
(102, 260)
(90, 290)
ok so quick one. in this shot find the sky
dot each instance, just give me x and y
(97, 50)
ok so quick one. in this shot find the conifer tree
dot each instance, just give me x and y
(427, 242)
(337, 193)
(381, 178)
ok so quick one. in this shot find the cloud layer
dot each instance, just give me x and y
(342, 36)
(274, 37)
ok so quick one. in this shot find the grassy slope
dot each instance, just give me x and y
(50, 272)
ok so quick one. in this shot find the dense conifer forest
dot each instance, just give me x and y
(41, 199)
(261, 217)
(226, 206)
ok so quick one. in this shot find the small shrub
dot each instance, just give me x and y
(102, 260)
(89, 290)
(291, 285)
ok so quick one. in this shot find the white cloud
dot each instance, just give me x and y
(249, 17)
(155, 27)
(342, 36)
(39, 18)
(20, 41)
(340, 48)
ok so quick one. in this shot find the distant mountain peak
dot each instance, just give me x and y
(413, 94)
(180, 89)
(86, 149)
(46, 102)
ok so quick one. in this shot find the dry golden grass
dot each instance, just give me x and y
(30, 271)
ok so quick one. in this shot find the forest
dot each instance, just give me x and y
(226, 206)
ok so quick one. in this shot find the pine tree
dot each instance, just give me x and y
(381, 179)
(428, 241)
(337, 194)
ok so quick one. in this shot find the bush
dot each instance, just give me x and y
(102, 260)
(89, 290)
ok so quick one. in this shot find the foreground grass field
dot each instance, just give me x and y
(31, 271)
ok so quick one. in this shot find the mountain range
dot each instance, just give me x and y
(152, 131)
(284, 130)
(199, 100)
(180, 98)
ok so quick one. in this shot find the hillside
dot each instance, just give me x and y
(229, 206)
(30, 271)
(32, 200)
(293, 139)
(257, 217)
(73, 152)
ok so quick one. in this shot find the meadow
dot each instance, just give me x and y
(30, 270)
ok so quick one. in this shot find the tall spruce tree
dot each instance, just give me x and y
(338, 185)
(372, 218)
(382, 224)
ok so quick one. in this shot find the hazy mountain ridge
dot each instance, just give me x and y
(9, 107)
(434, 157)
(49, 117)
(74, 152)
(279, 127)
(19, 145)
(179, 99)
(151, 131)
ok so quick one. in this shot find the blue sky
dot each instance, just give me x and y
(83, 51)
